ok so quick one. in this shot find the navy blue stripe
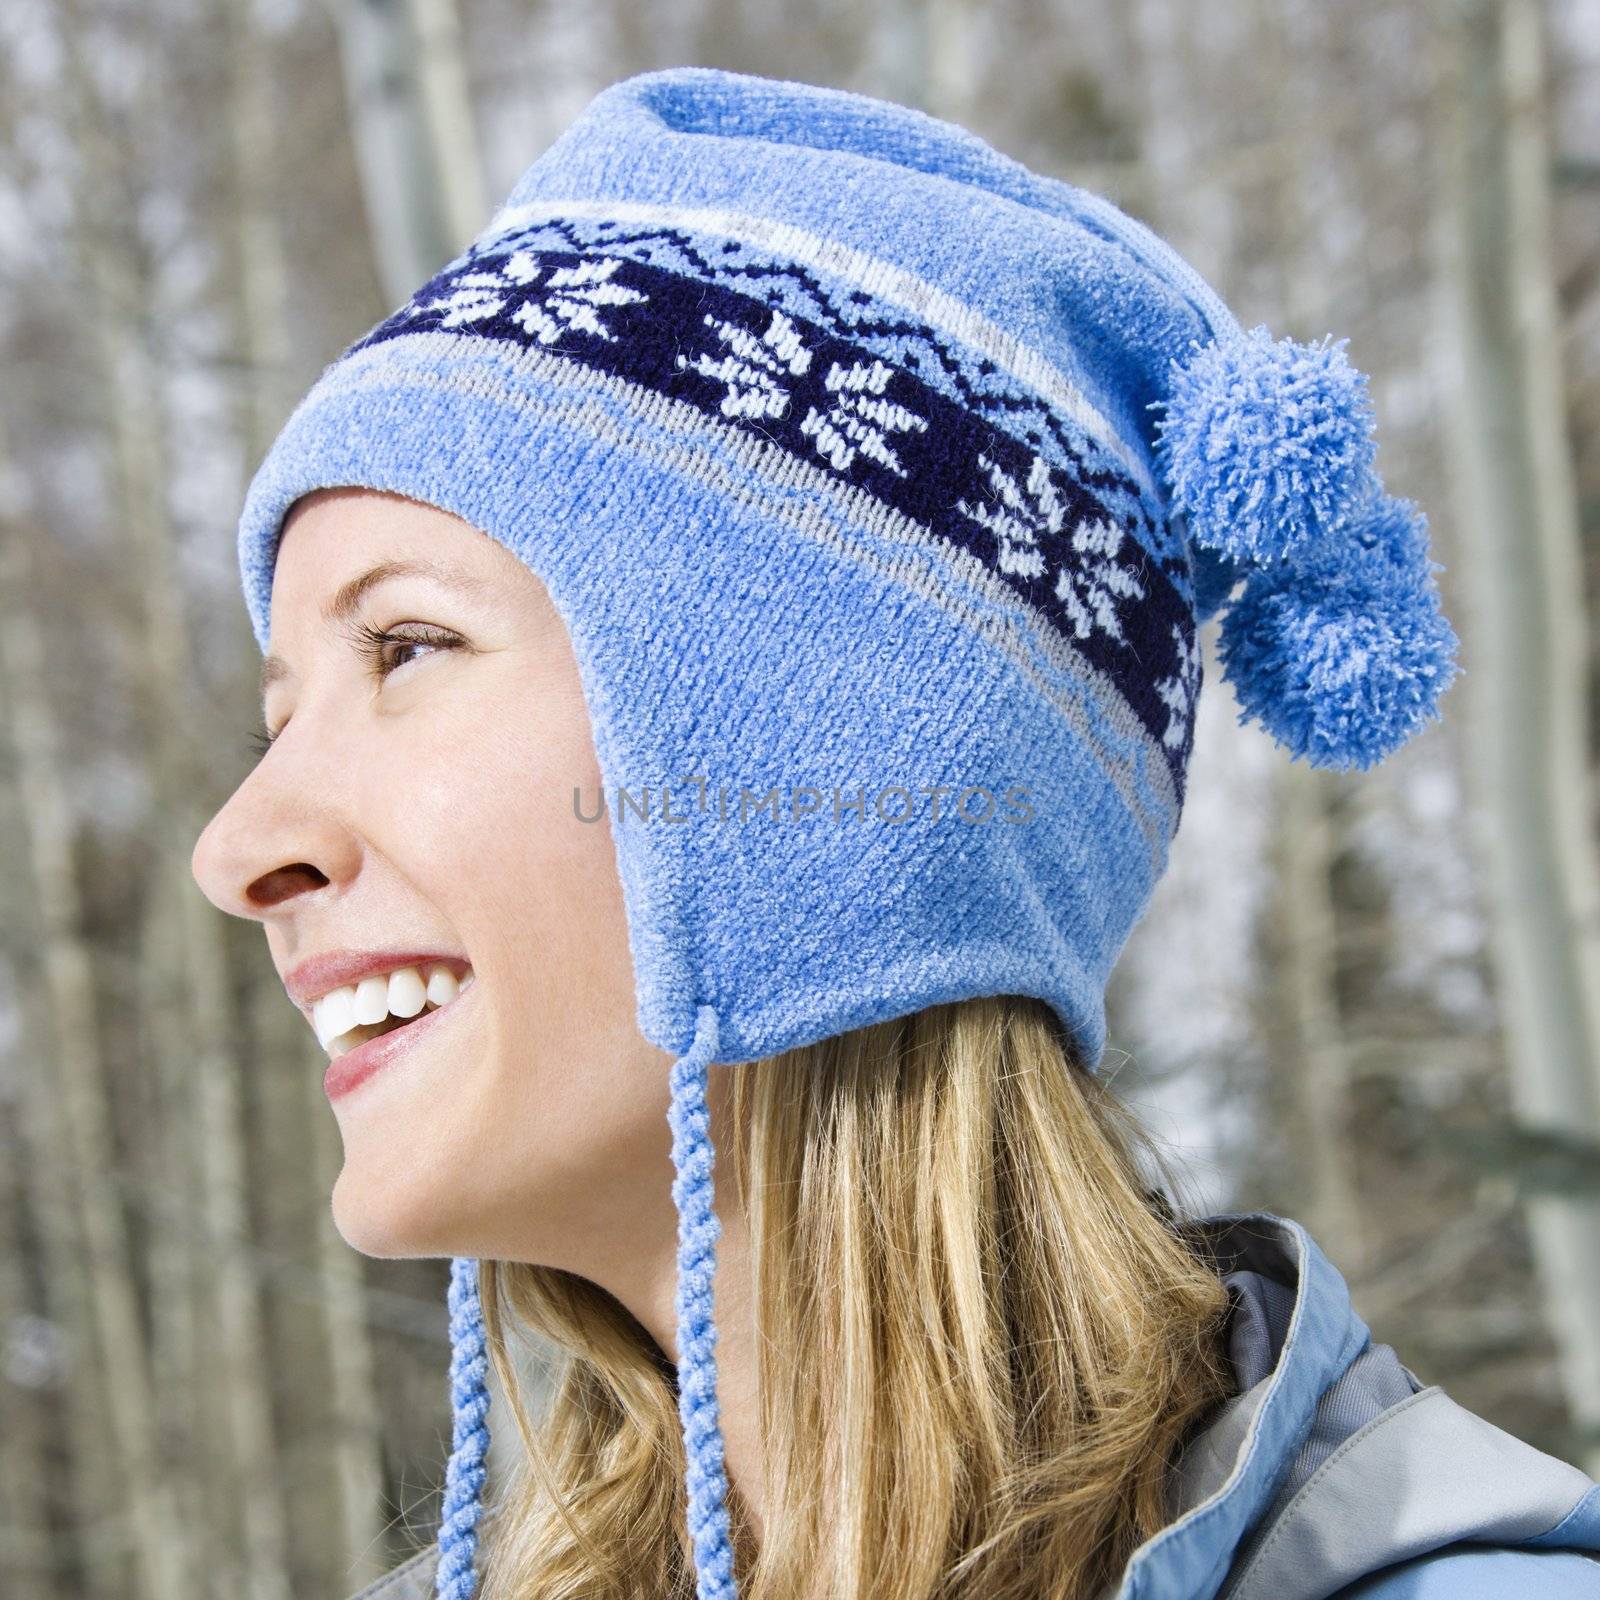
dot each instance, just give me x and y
(592, 235)
(945, 454)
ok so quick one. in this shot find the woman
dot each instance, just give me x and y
(743, 612)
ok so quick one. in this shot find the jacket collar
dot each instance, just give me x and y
(1191, 1555)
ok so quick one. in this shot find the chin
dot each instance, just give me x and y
(392, 1217)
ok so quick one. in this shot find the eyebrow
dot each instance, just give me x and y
(349, 596)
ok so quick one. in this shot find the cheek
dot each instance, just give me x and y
(553, 877)
(532, 890)
(485, 805)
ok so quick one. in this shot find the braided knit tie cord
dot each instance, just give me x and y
(455, 1578)
(698, 1230)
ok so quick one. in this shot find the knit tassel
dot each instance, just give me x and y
(1337, 645)
(455, 1578)
(698, 1231)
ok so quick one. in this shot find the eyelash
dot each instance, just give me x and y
(370, 642)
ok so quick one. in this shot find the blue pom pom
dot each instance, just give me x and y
(1342, 654)
(1266, 445)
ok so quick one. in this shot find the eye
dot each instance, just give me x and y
(372, 643)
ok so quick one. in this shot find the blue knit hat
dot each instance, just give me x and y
(882, 484)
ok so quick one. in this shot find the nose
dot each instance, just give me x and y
(270, 842)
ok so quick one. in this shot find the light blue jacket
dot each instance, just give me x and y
(1337, 1472)
(1334, 1473)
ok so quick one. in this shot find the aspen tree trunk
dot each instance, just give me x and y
(132, 385)
(1317, 1071)
(127, 1430)
(34, 1223)
(580, 42)
(1527, 686)
(33, 1211)
(446, 108)
(952, 60)
(898, 52)
(256, 277)
(176, 1253)
(1164, 31)
(1314, 1065)
(27, 1549)
(92, 1496)
(412, 128)
(922, 54)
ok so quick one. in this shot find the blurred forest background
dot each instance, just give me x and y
(1371, 1002)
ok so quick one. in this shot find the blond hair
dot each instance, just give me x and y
(981, 1339)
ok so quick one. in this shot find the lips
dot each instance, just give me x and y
(349, 1071)
(333, 969)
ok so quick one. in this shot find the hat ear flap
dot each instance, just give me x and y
(1266, 445)
(1342, 653)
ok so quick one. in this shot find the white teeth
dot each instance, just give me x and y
(372, 999)
(402, 994)
(334, 1014)
(406, 996)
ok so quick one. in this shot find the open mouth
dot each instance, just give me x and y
(360, 1051)
(342, 1018)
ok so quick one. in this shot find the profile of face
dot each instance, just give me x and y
(418, 796)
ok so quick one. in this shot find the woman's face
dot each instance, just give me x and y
(431, 810)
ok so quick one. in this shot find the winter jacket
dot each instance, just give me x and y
(1334, 1473)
